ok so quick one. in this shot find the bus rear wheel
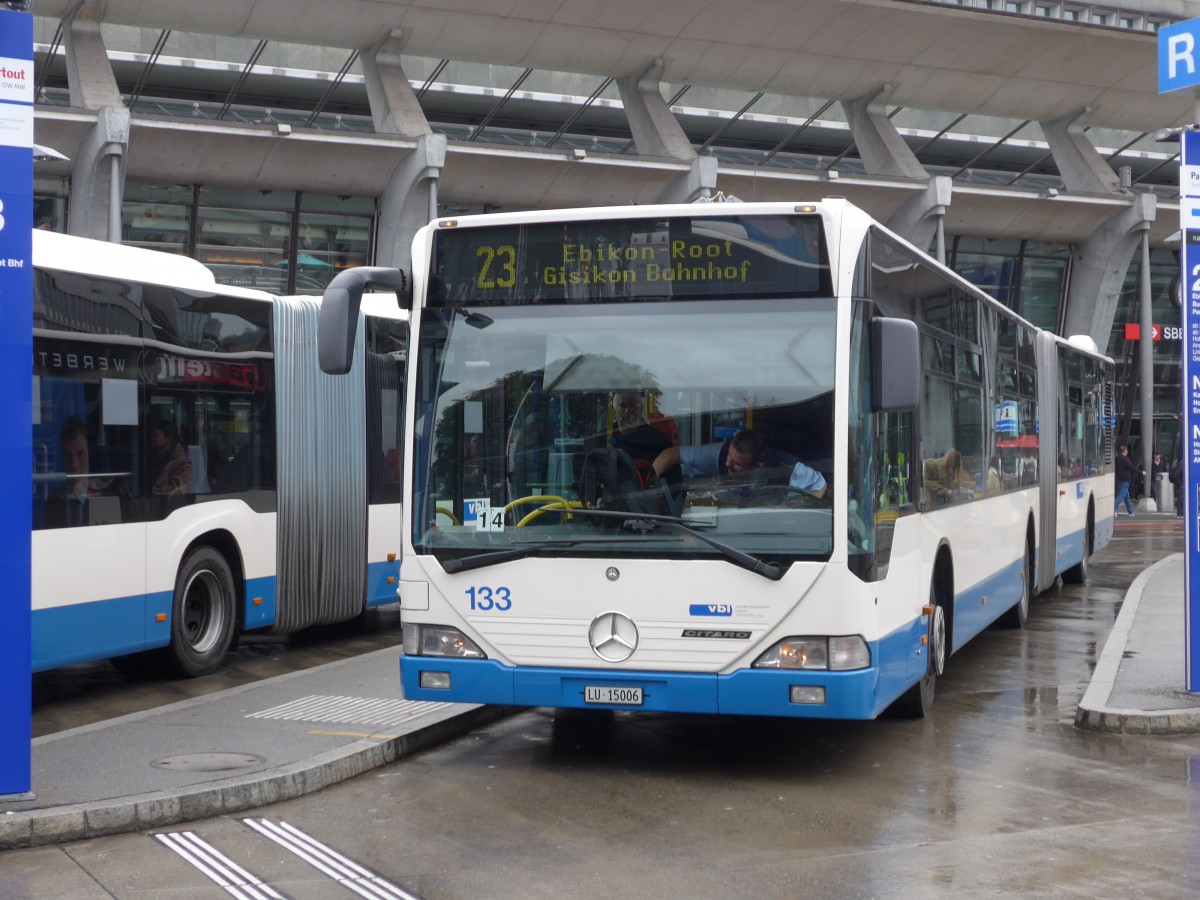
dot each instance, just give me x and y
(1018, 615)
(202, 615)
(1078, 573)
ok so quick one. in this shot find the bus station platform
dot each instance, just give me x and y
(1138, 684)
(229, 751)
(294, 734)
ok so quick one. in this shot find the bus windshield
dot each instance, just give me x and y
(525, 413)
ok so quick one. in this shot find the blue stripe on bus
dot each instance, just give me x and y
(84, 632)
(972, 614)
(1068, 551)
(379, 590)
(263, 613)
(861, 694)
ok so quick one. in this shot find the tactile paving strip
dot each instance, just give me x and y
(349, 710)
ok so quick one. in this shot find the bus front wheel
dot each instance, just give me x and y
(917, 702)
(202, 615)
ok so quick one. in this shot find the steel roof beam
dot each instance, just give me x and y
(237, 86)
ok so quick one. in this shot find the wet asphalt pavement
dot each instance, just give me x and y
(997, 792)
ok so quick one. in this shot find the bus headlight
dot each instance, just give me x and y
(848, 652)
(831, 654)
(439, 640)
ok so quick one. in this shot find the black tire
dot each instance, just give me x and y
(1078, 573)
(202, 615)
(1018, 614)
(917, 701)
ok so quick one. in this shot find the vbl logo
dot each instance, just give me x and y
(711, 609)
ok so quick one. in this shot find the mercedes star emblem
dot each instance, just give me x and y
(613, 636)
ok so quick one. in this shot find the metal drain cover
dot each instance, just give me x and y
(208, 762)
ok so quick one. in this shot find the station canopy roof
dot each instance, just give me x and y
(752, 82)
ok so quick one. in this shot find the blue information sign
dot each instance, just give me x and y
(1178, 55)
(1189, 213)
(16, 351)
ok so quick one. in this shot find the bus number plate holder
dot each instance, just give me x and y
(612, 696)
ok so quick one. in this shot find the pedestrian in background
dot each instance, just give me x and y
(1157, 467)
(1125, 473)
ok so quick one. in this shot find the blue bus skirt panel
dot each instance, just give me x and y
(259, 602)
(984, 602)
(860, 694)
(84, 632)
(1068, 551)
(381, 590)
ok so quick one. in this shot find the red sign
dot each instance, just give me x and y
(1022, 442)
(1160, 332)
(244, 375)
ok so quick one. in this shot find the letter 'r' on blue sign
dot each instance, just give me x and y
(1178, 55)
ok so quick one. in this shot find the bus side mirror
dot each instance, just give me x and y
(338, 321)
(895, 365)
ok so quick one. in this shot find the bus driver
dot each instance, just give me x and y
(745, 453)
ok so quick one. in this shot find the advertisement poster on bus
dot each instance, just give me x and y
(16, 312)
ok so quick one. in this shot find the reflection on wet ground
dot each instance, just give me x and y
(92, 692)
(996, 792)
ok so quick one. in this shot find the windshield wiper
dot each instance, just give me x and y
(733, 554)
(479, 560)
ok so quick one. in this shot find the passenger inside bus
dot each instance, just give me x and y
(946, 480)
(170, 464)
(637, 437)
(68, 504)
(995, 477)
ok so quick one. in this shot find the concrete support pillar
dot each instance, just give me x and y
(882, 149)
(89, 76)
(98, 177)
(409, 201)
(1098, 269)
(656, 131)
(700, 182)
(394, 105)
(918, 220)
(1082, 168)
(1146, 368)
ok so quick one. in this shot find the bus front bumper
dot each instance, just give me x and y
(760, 692)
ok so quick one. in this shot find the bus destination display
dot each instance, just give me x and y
(730, 256)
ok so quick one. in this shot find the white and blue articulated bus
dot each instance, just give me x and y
(195, 474)
(754, 458)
